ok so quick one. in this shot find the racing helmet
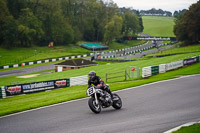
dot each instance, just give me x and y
(92, 74)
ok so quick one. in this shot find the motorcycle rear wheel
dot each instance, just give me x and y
(96, 108)
(117, 104)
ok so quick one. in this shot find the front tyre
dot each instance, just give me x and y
(117, 102)
(96, 108)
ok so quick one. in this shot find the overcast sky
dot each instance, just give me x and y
(168, 5)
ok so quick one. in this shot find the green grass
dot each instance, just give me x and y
(158, 26)
(20, 55)
(31, 101)
(100, 69)
(181, 50)
(190, 129)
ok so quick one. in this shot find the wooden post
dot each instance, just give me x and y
(125, 74)
(106, 77)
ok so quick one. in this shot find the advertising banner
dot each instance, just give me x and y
(62, 83)
(13, 90)
(174, 65)
(150, 38)
(38, 86)
(190, 61)
(45, 85)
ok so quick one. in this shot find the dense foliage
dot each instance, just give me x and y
(187, 25)
(27, 22)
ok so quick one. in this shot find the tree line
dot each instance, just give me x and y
(155, 12)
(27, 22)
(187, 25)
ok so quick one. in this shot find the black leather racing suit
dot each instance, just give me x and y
(98, 81)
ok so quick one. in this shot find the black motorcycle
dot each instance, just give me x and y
(102, 99)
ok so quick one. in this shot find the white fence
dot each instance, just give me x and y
(162, 68)
(146, 72)
(80, 80)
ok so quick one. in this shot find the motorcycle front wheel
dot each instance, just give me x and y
(96, 108)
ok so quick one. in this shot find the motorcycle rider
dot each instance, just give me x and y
(97, 81)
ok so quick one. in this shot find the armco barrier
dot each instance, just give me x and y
(162, 68)
(154, 70)
(81, 80)
(146, 72)
(174, 65)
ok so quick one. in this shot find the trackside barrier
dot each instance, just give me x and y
(12, 90)
(174, 65)
(191, 61)
(146, 72)
(2, 92)
(162, 68)
(154, 70)
(81, 80)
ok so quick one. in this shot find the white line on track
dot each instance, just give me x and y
(88, 97)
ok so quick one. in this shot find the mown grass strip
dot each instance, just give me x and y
(190, 129)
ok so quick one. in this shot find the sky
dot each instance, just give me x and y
(166, 5)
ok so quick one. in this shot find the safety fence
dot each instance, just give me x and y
(116, 75)
(162, 68)
(18, 89)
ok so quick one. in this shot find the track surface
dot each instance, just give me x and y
(26, 70)
(152, 108)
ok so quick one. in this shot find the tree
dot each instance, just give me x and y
(29, 28)
(8, 26)
(187, 25)
(113, 29)
(130, 23)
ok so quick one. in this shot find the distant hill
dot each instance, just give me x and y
(158, 26)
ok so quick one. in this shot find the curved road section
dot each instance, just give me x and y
(152, 108)
(26, 70)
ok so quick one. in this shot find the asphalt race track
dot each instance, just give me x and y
(26, 70)
(152, 108)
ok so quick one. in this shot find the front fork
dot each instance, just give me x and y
(95, 96)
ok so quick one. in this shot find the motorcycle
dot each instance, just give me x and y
(101, 99)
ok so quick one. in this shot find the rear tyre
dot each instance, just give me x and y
(96, 108)
(117, 102)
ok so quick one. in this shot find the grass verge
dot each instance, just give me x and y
(190, 129)
(31, 101)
